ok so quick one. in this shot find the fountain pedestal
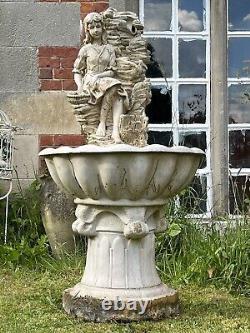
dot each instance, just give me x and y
(120, 266)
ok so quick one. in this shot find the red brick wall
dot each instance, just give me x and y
(92, 6)
(56, 63)
(55, 67)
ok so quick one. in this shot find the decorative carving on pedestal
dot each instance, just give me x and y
(120, 184)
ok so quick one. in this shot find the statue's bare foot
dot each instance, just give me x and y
(116, 138)
(101, 130)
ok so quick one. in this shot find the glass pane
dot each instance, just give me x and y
(238, 15)
(194, 198)
(239, 149)
(190, 15)
(192, 58)
(239, 57)
(194, 139)
(239, 195)
(161, 57)
(159, 111)
(157, 15)
(239, 103)
(161, 138)
(192, 103)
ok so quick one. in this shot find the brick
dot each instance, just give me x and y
(45, 73)
(68, 85)
(53, 62)
(45, 140)
(73, 140)
(50, 85)
(88, 7)
(62, 73)
(44, 51)
(65, 52)
(67, 62)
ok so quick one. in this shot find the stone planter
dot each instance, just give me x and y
(120, 192)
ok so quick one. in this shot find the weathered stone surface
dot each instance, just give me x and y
(91, 308)
(27, 24)
(18, 70)
(42, 113)
(57, 210)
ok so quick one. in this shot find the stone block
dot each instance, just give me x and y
(18, 70)
(41, 113)
(125, 5)
(35, 24)
(25, 156)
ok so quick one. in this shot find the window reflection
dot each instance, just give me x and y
(194, 139)
(161, 57)
(192, 103)
(239, 149)
(157, 15)
(161, 138)
(194, 198)
(239, 194)
(239, 103)
(190, 15)
(238, 15)
(239, 57)
(159, 111)
(192, 58)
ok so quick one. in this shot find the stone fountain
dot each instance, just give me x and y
(120, 184)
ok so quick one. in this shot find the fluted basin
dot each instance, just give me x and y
(121, 174)
(120, 192)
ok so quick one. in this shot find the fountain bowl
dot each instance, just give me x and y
(121, 174)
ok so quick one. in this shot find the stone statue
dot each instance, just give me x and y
(112, 90)
(94, 75)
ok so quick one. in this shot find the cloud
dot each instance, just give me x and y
(189, 21)
(247, 17)
(157, 16)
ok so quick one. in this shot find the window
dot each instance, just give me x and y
(178, 35)
(239, 103)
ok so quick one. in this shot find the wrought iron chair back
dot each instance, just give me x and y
(6, 161)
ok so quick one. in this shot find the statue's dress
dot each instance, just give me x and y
(92, 60)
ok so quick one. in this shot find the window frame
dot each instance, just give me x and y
(176, 81)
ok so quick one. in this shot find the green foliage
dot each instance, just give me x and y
(192, 253)
(26, 239)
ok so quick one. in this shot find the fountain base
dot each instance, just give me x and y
(104, 305)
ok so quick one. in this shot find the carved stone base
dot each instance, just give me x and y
(124, 305)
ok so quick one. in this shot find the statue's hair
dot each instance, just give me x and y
(94, 17)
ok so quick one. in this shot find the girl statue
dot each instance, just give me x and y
(94, 75)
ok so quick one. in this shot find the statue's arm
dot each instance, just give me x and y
(79, 69)
(108, 73)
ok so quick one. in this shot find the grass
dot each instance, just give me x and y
(30, 301)
(194, 261)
